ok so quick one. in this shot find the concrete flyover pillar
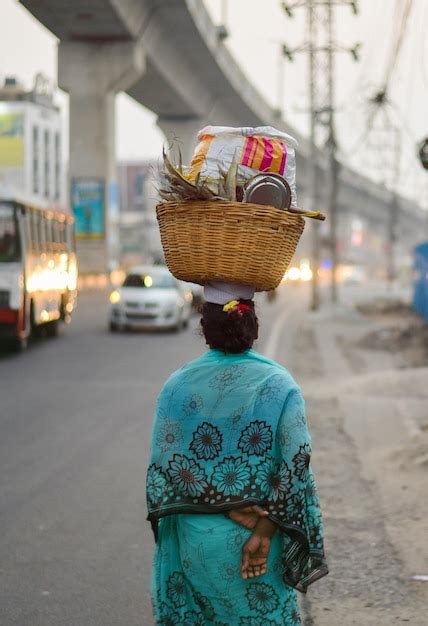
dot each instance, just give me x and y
(181, 132)
(92, 74)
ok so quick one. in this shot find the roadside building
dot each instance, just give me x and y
(138, 196)
(31, 165)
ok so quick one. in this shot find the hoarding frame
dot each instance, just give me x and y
(96, 207)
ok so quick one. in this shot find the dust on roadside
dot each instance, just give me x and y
(399, 331)
(369, 581)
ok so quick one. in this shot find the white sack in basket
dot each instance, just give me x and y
(261, 149)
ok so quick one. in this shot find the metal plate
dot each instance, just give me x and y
(269, 189)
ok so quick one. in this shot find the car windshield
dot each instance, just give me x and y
(10, 249)
(155, 280)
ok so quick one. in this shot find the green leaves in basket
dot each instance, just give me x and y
(231, 182)
(175, 186)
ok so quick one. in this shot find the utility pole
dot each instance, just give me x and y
(391, 269)
(384, 149)
(394, 211)
(332, 148)
(280, 83)
(313, 165)
(222, 30)
(321, 48)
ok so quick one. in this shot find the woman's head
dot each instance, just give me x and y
(232, 328)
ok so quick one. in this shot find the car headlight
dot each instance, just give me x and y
(293, 273)
(305, 274)
(115, 297)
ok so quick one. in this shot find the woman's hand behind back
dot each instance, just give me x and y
(248, 516)
(255, 552)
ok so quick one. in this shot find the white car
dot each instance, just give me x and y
(198, 295)
(150, 297)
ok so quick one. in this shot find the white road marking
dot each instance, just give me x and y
(275, 333)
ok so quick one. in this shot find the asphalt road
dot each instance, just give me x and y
(75, 420)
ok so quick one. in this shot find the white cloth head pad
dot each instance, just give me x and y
(219, 292)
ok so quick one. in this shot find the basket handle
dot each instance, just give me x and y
(316, 215)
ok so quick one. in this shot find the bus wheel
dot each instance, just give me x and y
(35, 328)
(52, 329)
(19, 344)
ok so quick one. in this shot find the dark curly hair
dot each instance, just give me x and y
(231, 332)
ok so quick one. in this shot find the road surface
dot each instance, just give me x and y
(75, 420)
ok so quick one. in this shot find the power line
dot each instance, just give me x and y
(424, 66)
(395, 51)
(380, 99)
(373, 42)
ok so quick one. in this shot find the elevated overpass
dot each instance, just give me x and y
(168, 56)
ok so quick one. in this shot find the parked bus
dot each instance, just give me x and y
(38, 270)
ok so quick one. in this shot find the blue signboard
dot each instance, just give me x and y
(420, 294)
(88, 204)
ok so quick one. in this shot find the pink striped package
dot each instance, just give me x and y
(255, 150)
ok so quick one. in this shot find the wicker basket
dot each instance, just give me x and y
(250, 244)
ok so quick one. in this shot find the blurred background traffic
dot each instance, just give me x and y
(90, 92)
(85, 111)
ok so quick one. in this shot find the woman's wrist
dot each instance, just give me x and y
(265, 528)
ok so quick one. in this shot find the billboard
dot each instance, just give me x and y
(11, 140)
(88, 205)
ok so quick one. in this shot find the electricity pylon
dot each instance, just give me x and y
(321, 48)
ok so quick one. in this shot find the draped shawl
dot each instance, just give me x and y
(230, 431)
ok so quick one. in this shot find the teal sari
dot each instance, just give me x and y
(230, 431)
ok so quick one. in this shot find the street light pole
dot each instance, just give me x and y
(334, 183)
(312, 178)
(280, 83)
(332, 147)
(224, 15)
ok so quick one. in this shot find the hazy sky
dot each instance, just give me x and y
(257, 29)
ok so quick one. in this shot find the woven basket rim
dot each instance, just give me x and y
(248, 207)
(247, 220)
